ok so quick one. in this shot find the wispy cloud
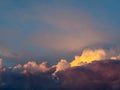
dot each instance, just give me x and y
(71, 30)
(9, 54)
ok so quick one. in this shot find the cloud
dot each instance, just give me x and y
(1, 64)
(19, 66)
(67, 30)
(94, 69)
(88, 56)
(10, 54)
(98, 75)
(33, 67)
(72, 30)
(115, 57)
(61, 65)
(95, 76)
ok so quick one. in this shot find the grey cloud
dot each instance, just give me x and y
(99, 75)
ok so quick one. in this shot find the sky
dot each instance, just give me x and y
(59, 44)
(53, 29)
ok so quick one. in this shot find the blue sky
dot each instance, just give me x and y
(57, 28)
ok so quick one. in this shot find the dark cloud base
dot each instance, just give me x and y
(99, 75)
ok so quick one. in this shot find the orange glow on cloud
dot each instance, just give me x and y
(88, 56)
(33, 67)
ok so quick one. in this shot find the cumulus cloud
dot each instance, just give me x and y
(86, 57)
(90, 55)
(94, 69)
(33, 67)
(70, 30)
(17, 66)
(62, 65)
(115, 57)
(98, 75)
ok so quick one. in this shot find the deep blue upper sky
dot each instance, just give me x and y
(49, 27)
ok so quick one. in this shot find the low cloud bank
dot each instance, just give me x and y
(98, 75)
(94, 69)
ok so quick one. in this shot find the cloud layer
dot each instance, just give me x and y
(98, 75)
(95, 69)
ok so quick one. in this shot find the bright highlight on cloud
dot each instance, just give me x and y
(88, 56)
(93, 69)
(50, 29)
(115, 57)
(97, 75)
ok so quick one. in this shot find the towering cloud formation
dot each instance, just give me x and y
(99, 75)
(88, 56)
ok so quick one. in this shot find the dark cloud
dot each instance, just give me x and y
(99, 75)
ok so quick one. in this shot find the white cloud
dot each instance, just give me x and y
(62, 65)
(32, 67)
